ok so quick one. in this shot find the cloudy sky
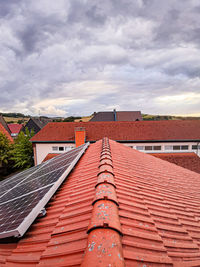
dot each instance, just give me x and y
(62, 58)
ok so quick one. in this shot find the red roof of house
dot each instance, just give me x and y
(50, 156)
(3, 130)
(15, 128)
(121, 131)
(189, 161)
(118, 207)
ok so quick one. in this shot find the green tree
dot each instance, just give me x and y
(5, 150)
(23, 150)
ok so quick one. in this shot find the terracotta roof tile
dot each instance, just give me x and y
(50, 156)
(3, 130)
(4, 124)
(118, 206)
(121, 131)
(190, 161)
(14, 127)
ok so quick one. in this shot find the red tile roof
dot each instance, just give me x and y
(118, 207)
(3, 130)
(50, 156)
(121, 131)
(189, 161)
(15, 128)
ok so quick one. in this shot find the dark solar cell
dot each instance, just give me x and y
(15, 211)
(34, 184)
(32, 189)
(9, 183)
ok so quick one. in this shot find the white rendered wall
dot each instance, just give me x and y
(163, 144)
(43, 149)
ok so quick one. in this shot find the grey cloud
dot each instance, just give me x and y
(63, 49)
(8, 7)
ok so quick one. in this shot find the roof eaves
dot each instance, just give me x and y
(158, 141)
(54, 141)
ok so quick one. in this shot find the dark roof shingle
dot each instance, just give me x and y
(117, 116)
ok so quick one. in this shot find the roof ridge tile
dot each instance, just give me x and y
(104, 246)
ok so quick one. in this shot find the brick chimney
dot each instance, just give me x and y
(80, 136)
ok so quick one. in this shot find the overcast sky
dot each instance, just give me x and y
(62, 58)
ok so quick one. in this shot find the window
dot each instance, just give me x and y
(195, 147)
(168, 147)
(156, 147)
(55, 148)
(61, 148)
(148, 147)
(176, 147)
(67, 148)
(184, 147)
(140, 147)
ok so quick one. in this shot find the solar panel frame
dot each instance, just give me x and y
(28, 220)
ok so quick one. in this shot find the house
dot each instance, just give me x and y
(117, 116)
(4, 124)
(5, 132)
(147, 136)
(36, 124)
(118, 207)
(15, 129)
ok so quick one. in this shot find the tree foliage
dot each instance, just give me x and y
(6, 148)
(71, 119)
(23, 150)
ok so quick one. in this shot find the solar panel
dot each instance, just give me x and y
(24, 195)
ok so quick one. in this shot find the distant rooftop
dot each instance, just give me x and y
(15, 127)
(117, 116)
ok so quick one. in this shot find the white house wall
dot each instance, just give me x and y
(43, 149)
(163, 144)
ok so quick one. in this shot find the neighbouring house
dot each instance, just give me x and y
(117, 116)
(147, 136)
(5, 132)
(36, 124)
(118, 207)
(15, 129)
(4, 124)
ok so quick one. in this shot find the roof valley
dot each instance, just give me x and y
(104, 246)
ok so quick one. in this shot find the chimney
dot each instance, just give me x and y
(80, 136)
(115, 115)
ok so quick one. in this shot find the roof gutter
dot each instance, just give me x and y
(124, 141)
(54, 141)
